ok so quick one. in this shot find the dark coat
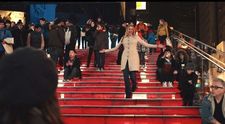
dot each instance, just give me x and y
(19, 37)
(90, 37)
(101, 40)
(56, 38)
(75, 66)
(188, 89)
(167, 69)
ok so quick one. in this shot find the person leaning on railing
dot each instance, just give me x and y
(212, 109)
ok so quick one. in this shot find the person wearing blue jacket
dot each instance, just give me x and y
(4, 33)
(151, 38)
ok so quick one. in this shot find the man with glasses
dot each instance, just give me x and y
(212, 109)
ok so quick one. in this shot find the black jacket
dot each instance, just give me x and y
(56, 37)
(90, 37)
(76, 63)
(101, 40)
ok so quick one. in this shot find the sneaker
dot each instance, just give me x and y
(101, 69)
(170, 84)
(164, 84)
(98, 69)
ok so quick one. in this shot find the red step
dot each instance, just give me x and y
(115, 78)
(149, 110)
(109, 64)
(108, 101)
(114, 95)
(116, 83)
(116, 89)
(130, 119)
(107, 77)
(109, 74)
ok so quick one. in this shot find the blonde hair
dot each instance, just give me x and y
(134, 31)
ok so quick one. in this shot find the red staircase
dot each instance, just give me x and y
(99, 97)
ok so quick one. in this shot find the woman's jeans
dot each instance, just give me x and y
(132, 74)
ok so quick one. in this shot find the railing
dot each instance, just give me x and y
(204, 57)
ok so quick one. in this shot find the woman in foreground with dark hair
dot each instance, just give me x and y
(28, 82)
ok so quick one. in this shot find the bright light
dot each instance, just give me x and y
(171, 28)
(13, 15)
(140, 5)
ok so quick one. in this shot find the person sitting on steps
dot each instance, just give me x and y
(72, 67)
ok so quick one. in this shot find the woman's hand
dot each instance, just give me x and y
(102, 51)
(160, 46)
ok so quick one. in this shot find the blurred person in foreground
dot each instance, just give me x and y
(28, 82)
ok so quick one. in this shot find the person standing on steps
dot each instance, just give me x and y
(101, 42)
(130, 60)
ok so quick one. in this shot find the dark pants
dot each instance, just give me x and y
(142, 58)
(100, 60)
(66, 54)
(95, 62)
(90, 52)
(71, 73)
(55, 54)
(159, 75)
(83, 42)
(162, 40)
(188, 97)
(132, 74)
(113, 41)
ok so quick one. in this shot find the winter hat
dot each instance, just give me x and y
(27, 78)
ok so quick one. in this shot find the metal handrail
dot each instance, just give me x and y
(194, 48)
(172, 29)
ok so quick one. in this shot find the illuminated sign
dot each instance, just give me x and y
(140, 5)
(13, 15)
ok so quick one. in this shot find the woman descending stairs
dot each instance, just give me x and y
(99, 98)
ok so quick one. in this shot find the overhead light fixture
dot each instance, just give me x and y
(140, 5)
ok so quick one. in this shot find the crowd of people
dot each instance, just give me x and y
(60, 38)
